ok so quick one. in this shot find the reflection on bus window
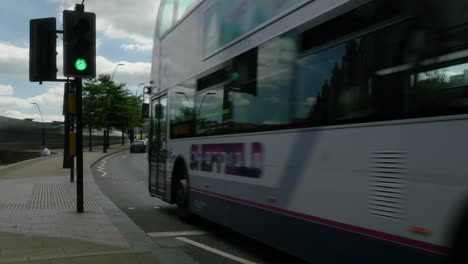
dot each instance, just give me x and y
(440, 89)
(269, 71)
(167, 16)
(181, 109)
(333, 84)
(184, 6)
(211, 113)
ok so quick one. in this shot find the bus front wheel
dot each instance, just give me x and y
(182, 198)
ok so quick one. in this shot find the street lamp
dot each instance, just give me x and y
(43, 130)
(106, 135)
(120, 64)
(139, 88)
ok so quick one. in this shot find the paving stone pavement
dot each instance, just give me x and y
(39, 223)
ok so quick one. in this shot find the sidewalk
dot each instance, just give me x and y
(39, 223)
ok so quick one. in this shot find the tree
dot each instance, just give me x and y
(107, 105)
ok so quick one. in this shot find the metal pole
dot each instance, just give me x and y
(79, 145)
(104, 149)
(90, 136)
(72, 158)
(66, 145)
(42, 119)
(67, 125)
(120, 64)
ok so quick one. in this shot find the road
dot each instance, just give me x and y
(123, 179)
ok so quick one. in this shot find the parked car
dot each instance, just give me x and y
(137, 146)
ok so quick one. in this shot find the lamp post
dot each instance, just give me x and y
(106, 135)
(120, 64)
(136, 93)
(43, 130)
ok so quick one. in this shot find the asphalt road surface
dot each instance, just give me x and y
(123, 179)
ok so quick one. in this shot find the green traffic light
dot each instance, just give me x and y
(80, 64)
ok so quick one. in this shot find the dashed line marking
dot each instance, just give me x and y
(215, 251)
(131, 208)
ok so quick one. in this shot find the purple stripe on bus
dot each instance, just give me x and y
(356, 229)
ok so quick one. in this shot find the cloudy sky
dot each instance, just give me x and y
(124, 35)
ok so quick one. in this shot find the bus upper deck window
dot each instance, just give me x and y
(183, 6)
(166, 17)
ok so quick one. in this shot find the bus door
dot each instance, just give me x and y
(158, 147)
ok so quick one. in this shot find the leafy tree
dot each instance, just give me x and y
(107, 105)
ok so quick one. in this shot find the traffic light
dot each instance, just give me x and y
(79, 44)
(42, 50)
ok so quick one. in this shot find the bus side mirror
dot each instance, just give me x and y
(145, 110)
(147, 89)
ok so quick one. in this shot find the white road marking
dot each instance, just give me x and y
(101, 168)
(156, 207)
(176, 234)
(215, 251)
(131, 208)
(123, 157)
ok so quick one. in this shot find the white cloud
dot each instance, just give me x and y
(16, 61)
(13, 59)
(13, 102)
(136, 47)
(6, 90)
(37, 117)
(131, 73)
(133, 21)
(50, 101)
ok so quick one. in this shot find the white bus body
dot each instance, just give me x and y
(350, 185)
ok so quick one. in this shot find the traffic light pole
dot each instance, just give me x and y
(79, 42)
(79, 145)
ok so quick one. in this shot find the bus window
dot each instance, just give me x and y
(166, 16)
(184, 6)
(181, 109)
(333, 85)
(443, 89)
(264, 76)
(211, 113)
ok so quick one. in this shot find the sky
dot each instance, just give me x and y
(124, 34)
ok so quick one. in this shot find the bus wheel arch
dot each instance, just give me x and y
(180, 189)
(459, 243)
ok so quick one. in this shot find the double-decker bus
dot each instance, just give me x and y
(334, 130)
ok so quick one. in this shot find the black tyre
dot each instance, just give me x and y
(182, 199)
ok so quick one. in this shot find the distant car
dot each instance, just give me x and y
(137, 146)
